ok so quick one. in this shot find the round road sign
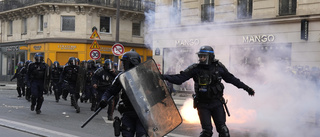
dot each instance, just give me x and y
(95, 54)
(117, 49)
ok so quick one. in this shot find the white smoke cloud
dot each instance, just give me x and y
(284, 105)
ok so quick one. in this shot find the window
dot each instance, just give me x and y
(24, 26)
(105, 23)
(207, 11)
(40, 23)
(287, 7)
(244, 9)
(136, 29)
(176, 12)
(68, 23)
(10, 27)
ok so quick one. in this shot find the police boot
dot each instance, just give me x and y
(206, 133)
(74, 101)
(93, 104)
(33, 103)
(223, 131)
(39, 105)
(19, 91)
(28, 94)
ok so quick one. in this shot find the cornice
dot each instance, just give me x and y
(79, 9)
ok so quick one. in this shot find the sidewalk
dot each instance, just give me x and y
(8, 84)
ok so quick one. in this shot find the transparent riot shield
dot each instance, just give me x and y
(151, 99)
(81, 79)
(47, 76)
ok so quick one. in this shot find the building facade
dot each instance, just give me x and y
(244, 33)
(60, 29)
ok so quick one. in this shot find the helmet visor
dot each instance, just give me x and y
(203, 58)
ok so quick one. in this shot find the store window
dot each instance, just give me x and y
(10, 59)
(244, 9)
(68, 23)
(287, 7)
(40, 18)
(105, 23)
(136, 29)
(249, 60)
(207, 11)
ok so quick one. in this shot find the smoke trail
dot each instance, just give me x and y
(284, 105)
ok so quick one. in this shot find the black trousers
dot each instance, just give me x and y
(213, 110)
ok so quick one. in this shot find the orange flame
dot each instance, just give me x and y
(188, 113)
(238, 115)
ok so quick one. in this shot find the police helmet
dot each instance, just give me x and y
(56, 64)
(38, 58)
(27, 63)
(77, 61)
(208, 53)
(91, 64)
(72, 61)
(108, 64)
(130, 59)
(20, 64)
(98, 65)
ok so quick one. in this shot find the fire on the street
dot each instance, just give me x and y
(238, 116)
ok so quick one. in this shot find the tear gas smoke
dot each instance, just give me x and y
(284, 105)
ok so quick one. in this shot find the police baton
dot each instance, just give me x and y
(91, 117)
(95, 113)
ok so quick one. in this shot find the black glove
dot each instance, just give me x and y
(103, 104)
(163, 77)
(250, 91)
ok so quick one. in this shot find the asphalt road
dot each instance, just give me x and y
(61, 119)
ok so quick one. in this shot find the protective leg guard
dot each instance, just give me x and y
(223, 131)
(206, 133)
(39, 103)
(19, 91)
(33, 103)
(74, 101)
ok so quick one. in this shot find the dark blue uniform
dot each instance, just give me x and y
(89, 91)
(69, 77)
(131, 123)
(103, 78)
(20, 75)
(209, 93)
(54, 77)
(35, 78)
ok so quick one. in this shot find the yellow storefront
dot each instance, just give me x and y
(62, 51)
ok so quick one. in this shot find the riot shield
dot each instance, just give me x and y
(81, 79)
(150, 98)
(47, 76)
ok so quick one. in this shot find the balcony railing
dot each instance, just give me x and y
(134, 5)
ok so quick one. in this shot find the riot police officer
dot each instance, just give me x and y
(68, 78)
(20, 75)
(36, 75)
(28, 90)
(89, 92)
(101, 80)
(209, 101)
(56, 71)
(130, 121)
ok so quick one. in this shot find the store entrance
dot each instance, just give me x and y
(247, 60)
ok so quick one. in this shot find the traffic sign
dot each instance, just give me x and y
(95, 54)
(95, 35)
(94, 45)
(117, 49)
